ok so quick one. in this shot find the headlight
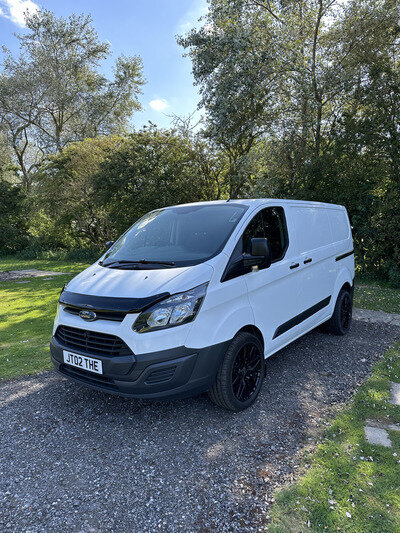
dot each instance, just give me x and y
(178, 309)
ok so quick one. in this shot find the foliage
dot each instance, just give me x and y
(350, 485)
(13, 217)
(153, 168)
(52, 93)
(71, 214)
(95, 189)
(303, 97)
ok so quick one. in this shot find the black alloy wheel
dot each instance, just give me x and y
(241, 374)
(346, 312)
(246, 372)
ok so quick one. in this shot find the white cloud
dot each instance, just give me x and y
(159, 104)
(15, 10)
(191, 18)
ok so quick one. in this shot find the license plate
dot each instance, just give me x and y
(83, 362)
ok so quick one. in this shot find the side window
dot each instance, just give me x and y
(275, 231)
(269, 223)
(254, 229)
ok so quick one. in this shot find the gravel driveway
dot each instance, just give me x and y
(72, 459)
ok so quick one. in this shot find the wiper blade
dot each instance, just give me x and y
(138, 262)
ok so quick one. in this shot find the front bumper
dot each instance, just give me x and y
(167, 374)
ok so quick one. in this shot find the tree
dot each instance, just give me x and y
(13, 219)
(95, 189)
(52, 93)
(70, 211)
(283, 70)
(151, 169)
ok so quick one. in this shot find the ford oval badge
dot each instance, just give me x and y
(87, 315)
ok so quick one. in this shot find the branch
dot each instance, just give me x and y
(267, 7)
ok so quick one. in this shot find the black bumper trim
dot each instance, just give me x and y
(189, 372)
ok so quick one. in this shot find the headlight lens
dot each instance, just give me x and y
(178, 309)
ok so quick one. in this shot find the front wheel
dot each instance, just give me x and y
(340, 322)
(240, 376)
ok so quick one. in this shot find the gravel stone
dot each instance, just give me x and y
(73, 459)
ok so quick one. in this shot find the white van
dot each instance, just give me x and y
(194, 297)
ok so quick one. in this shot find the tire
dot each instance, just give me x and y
(241, 374)
(340, 321)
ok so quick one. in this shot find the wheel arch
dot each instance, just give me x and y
(254, 330)
(344, 280)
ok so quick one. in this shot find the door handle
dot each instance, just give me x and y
(294, 265)
(308, 260)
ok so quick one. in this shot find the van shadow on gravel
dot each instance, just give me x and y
(76, 459)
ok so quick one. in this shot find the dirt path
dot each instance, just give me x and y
(14, 275)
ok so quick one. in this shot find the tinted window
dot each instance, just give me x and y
(253, 230)
(269, 223)
(186, 235)
(275, 231)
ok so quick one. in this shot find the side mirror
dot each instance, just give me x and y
(109, 244)
(260, 253)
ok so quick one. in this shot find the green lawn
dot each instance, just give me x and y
(27, 311)
(26, 316)
(376, 296)
(350, 485)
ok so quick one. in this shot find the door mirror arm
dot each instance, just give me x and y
(252, 260)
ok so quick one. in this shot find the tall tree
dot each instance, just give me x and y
(283, 70)
(53, 94)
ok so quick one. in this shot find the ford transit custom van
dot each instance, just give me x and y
(194, 298)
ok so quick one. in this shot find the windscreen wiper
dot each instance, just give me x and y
(124, 263)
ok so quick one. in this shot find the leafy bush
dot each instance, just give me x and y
(14, 215)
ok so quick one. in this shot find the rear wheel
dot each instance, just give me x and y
(340, 322)
(240, 376)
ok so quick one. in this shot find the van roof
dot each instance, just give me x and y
(262, 201)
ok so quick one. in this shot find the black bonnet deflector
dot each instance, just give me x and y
(110, 303)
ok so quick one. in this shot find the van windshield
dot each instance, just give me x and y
(176, 236)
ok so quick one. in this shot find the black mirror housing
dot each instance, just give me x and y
(260, 249)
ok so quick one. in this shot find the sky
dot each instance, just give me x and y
(147, 28)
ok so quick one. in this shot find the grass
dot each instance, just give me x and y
(350, 485)
(27, 312)
(26, 316)
(376, 296)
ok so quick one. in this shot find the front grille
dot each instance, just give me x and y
(88, 377)
(161, 375)
(91, 342)
(100, 315)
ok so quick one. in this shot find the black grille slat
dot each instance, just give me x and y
(91, 342)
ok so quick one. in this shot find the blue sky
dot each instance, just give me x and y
(143, 27)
